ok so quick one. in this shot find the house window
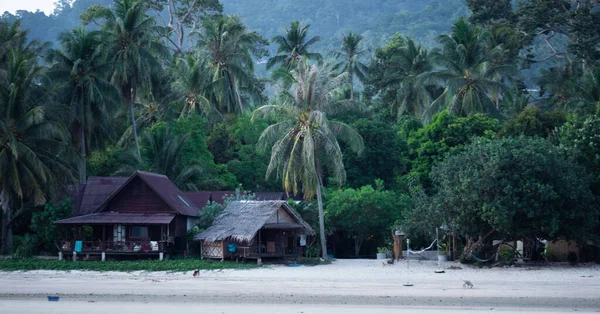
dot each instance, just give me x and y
(118, 233)
(139, 232)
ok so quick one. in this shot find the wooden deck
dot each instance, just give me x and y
(116, 248)
(277, 252)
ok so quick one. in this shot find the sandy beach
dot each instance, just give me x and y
(349, 286)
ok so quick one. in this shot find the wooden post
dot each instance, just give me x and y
(104, 256)
(74, 256)
(259, 248)
(60, 256)
(161, 256)
(397, 245)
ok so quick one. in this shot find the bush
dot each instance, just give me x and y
(25, 246)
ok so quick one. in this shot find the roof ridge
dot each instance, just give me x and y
(151, 173)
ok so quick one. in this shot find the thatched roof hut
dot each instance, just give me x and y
(241, 220)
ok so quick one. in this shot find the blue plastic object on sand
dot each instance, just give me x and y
(53, 298)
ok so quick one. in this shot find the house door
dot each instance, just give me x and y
(118, 233)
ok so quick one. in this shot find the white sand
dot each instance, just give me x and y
(346, 283)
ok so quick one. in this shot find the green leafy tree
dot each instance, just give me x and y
(350, 59)
(490, 11)
(382, 158)
(33, 140)
(42, 222)
(514, 188)
(446, 134)
(578, 139)
(303, 142)
(533, 121)
(230, 46)
(294, 45)
(80, 64)
(364, 213)
(233, 142)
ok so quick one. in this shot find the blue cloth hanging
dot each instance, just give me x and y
(232, 247)
(78, 246)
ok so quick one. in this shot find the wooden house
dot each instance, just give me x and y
(256, 230)
(146, 214)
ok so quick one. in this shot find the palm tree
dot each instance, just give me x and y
(294, 45)
(466, 72)
(409, 61)
(229, 46)
(90, 96)
(130, 47)
(163, 154)
(304, 141)
(194, 86)
(33, 141)
(350, 54)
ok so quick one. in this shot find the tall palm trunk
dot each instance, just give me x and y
(134, 127)
(321, 222)
(82, 152)
(6, 239)
(127, 95)
(351, 74)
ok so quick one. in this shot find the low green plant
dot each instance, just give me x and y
(443, 248)
(313, 250)
(507, 253)
(383, 249)
(177, 265)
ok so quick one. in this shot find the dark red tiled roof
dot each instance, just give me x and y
(269, 196)
(200, 198)
(95, 192)
(119, 218)
(165, 189)
(220, 196)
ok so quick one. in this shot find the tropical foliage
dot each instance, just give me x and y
(502, 101)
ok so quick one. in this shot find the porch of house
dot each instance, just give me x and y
(267, 243)
(117, 239)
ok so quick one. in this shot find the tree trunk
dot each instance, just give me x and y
(473, 246)
(358, 241)
(6, 239)
(134, 127)
(321, 223)
(351, 84)
(82, 152)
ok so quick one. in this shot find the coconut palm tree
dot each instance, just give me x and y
(350, 55)
(163, 154)
(294, 45)
(194, 86)
(131, 48)
(410, 61)
(466, 72)
(304, 141)
(229, 46)
(92, 99)
(33, 140)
